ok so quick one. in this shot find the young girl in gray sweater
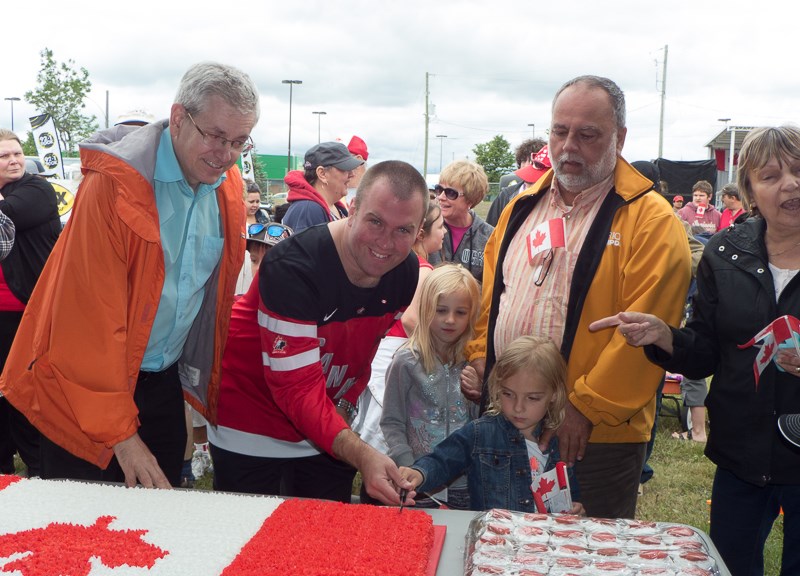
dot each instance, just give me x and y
(423, 403)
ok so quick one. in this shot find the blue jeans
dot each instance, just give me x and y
(742, 515)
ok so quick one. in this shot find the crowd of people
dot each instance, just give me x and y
(384, 328)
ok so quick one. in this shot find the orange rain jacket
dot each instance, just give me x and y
(75, 361)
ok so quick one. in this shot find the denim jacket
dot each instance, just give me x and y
(494, 456)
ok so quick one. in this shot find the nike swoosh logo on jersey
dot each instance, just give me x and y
(329, 316)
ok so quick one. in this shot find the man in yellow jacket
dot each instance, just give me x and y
(589, 238)
(134, 303)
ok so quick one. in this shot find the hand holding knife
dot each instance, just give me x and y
(403, 496)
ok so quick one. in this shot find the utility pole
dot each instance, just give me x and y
(13, 99)
(291, 84)
(441, 138)
(427, 120)
(533, 130)
(663, 98)
(319, 125)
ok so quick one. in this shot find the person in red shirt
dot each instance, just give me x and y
(301, 343)
(733, 206)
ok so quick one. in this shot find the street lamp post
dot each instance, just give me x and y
(12, 99)
(291, 84)
(319, 123)
(441, 138)
(533, 130)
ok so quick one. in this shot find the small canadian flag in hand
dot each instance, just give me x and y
(547, 235)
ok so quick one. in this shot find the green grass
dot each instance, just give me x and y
(681, 488)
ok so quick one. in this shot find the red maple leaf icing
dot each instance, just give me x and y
(8, 480)
(67, 548)
(545, 486)
(538, 239)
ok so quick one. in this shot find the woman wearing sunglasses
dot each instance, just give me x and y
(462, 185)
(316, 193)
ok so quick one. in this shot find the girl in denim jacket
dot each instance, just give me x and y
(423, 403)
(499, 452)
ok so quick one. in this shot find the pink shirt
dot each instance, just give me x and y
(8, 302)
(527, 309)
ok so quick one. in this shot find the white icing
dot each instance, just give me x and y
(202, 531)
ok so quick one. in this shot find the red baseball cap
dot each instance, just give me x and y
(540, 163)
(677, 198)
(358, 147)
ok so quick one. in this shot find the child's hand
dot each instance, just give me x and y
(411, 475)
(470, 384)
(577, 509)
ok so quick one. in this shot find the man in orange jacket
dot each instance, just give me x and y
(134, 303)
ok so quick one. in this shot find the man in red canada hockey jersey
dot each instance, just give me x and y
(301, 343)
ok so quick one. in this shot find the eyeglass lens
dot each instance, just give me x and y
(449, 193)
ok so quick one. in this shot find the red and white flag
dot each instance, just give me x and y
(783, 330)
(52, 527)
(547, 235)
(57, 527)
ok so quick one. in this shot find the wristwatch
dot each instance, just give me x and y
(348, 408)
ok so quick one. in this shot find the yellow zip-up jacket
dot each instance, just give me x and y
(75, 360)
(635, 257)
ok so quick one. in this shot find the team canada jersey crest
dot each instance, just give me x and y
(279, 345)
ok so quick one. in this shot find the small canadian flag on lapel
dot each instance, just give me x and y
(547, 235)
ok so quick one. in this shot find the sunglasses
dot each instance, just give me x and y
(449, 193)
(544, 269)
(273, 230)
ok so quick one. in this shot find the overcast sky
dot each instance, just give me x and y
(494, 66)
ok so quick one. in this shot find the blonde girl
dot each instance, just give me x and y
(423, 403)
(527, 393)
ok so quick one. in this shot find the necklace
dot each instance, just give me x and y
(771, 254)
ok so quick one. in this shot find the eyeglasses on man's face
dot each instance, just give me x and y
(218, 142)
(449, 193)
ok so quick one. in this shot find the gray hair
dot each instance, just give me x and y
(207, 79)
(614, 92)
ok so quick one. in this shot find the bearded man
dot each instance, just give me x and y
(589, 238)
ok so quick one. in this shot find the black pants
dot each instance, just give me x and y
(16, 433)
(321, 476)
(159, 398)
(7, 448)
(608, 477)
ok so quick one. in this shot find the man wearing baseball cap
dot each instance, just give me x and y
(677, 203)
(316, 192)
(528, 175)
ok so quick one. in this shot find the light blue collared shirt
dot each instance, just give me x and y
(191, 237)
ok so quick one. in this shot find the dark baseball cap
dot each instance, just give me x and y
(333, 154)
